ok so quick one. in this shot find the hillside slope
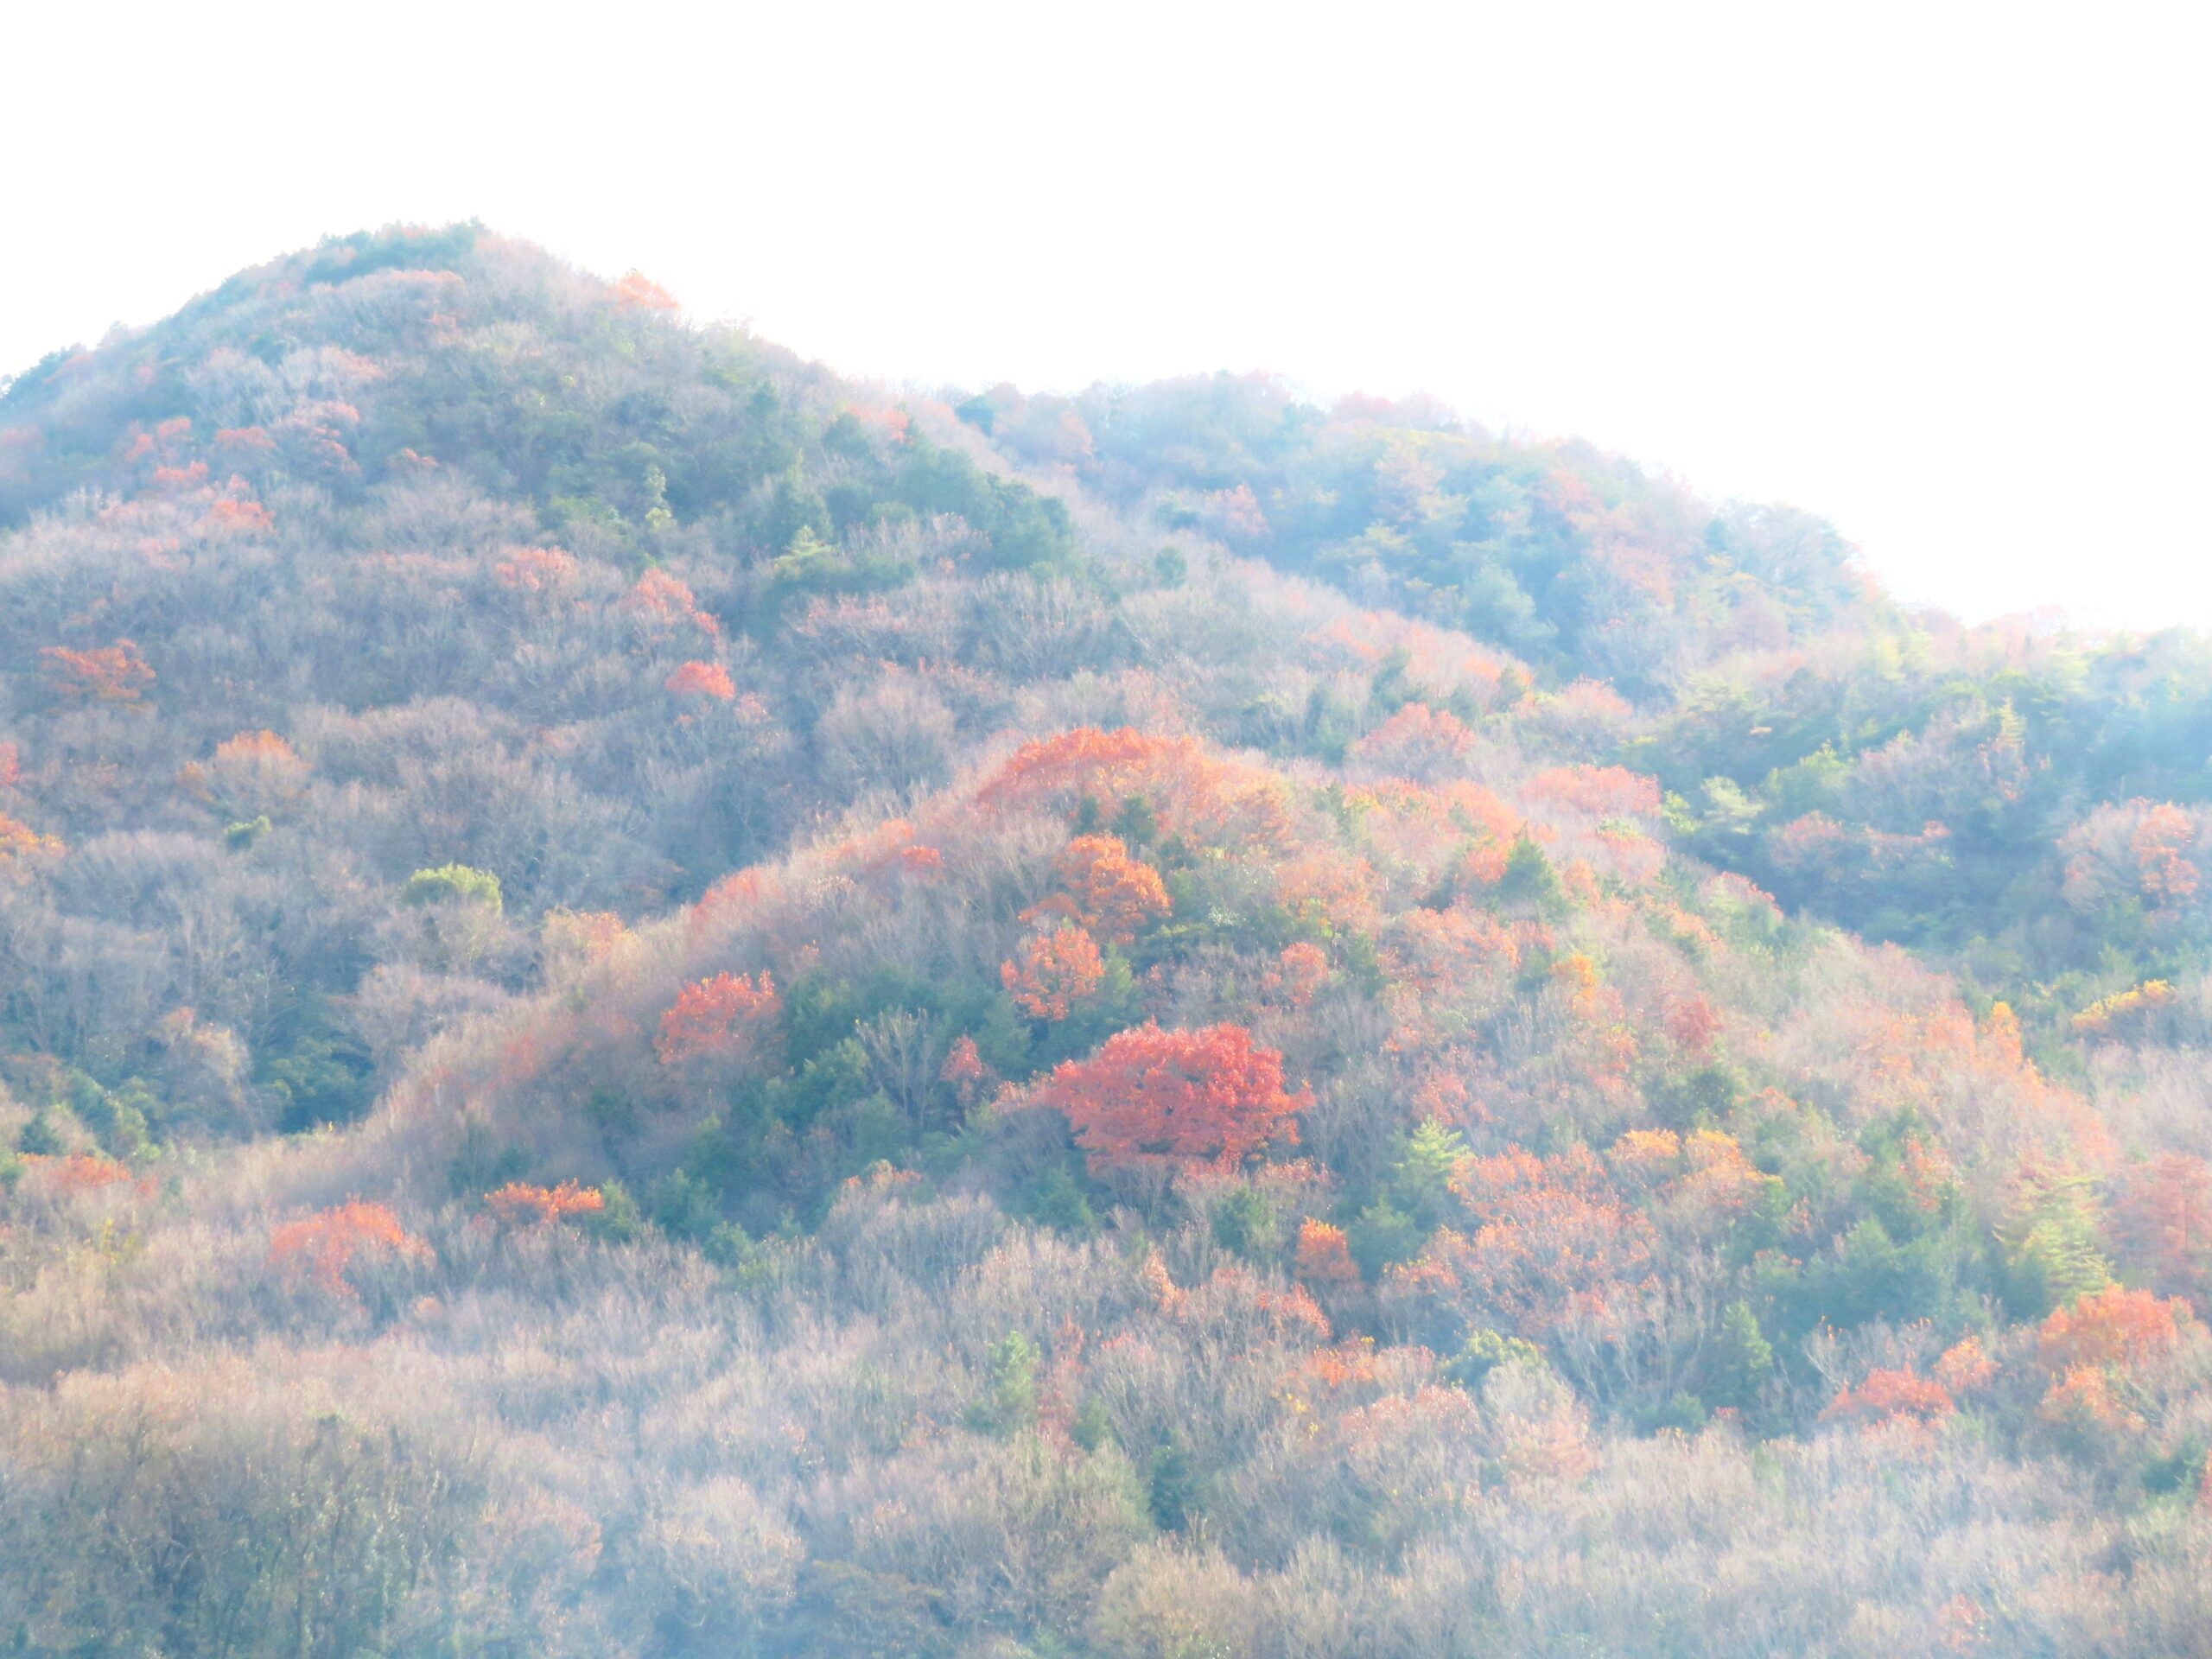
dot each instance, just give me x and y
(654, 1003)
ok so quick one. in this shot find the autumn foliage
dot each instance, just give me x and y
(2164, 1217)
(1153, 1097)
(730, 1017)
(1426, 1002)
(709, 680)
(81, 1172)
(638, 292)
(112, 674)
(1892, 1395)
(1324, 1255)
(532, 570)
(1417, 740)
(250, 772)
(2112, 1327)
(1191, 790)
(1105, 889)
(320, 1249)
(19, 840)
(664, 603)
(518, 1203)
(1054, 971)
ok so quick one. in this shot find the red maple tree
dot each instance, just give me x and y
(727, 1016)
(1150, 1096)
(319, 1248)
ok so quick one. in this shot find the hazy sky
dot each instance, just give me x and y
(1939, 273)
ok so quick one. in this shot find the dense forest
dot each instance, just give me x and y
(656, 1003)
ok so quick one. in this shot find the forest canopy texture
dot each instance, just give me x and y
(653, 1003)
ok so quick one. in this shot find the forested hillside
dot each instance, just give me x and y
(654, 1003)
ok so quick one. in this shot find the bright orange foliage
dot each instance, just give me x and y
(1057, 970)
(701, 680)
(1150, 1096)
(321, 1247)
(1160, 1284)
(1887, 1396)
(1324, 1257)
(1193, 792)
(518, 1202)
(729, 1016)
(1106, 889)
(1964, 1367)
(2112, 1327)
(1070, 763)
(114, 673)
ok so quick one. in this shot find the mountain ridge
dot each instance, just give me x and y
(728, 1014)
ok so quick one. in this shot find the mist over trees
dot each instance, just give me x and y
(653, 1003)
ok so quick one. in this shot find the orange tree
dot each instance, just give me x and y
(1150, 1096)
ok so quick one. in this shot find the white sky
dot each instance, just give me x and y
(1939, 273)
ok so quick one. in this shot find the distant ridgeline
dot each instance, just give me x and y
(654, 1003)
